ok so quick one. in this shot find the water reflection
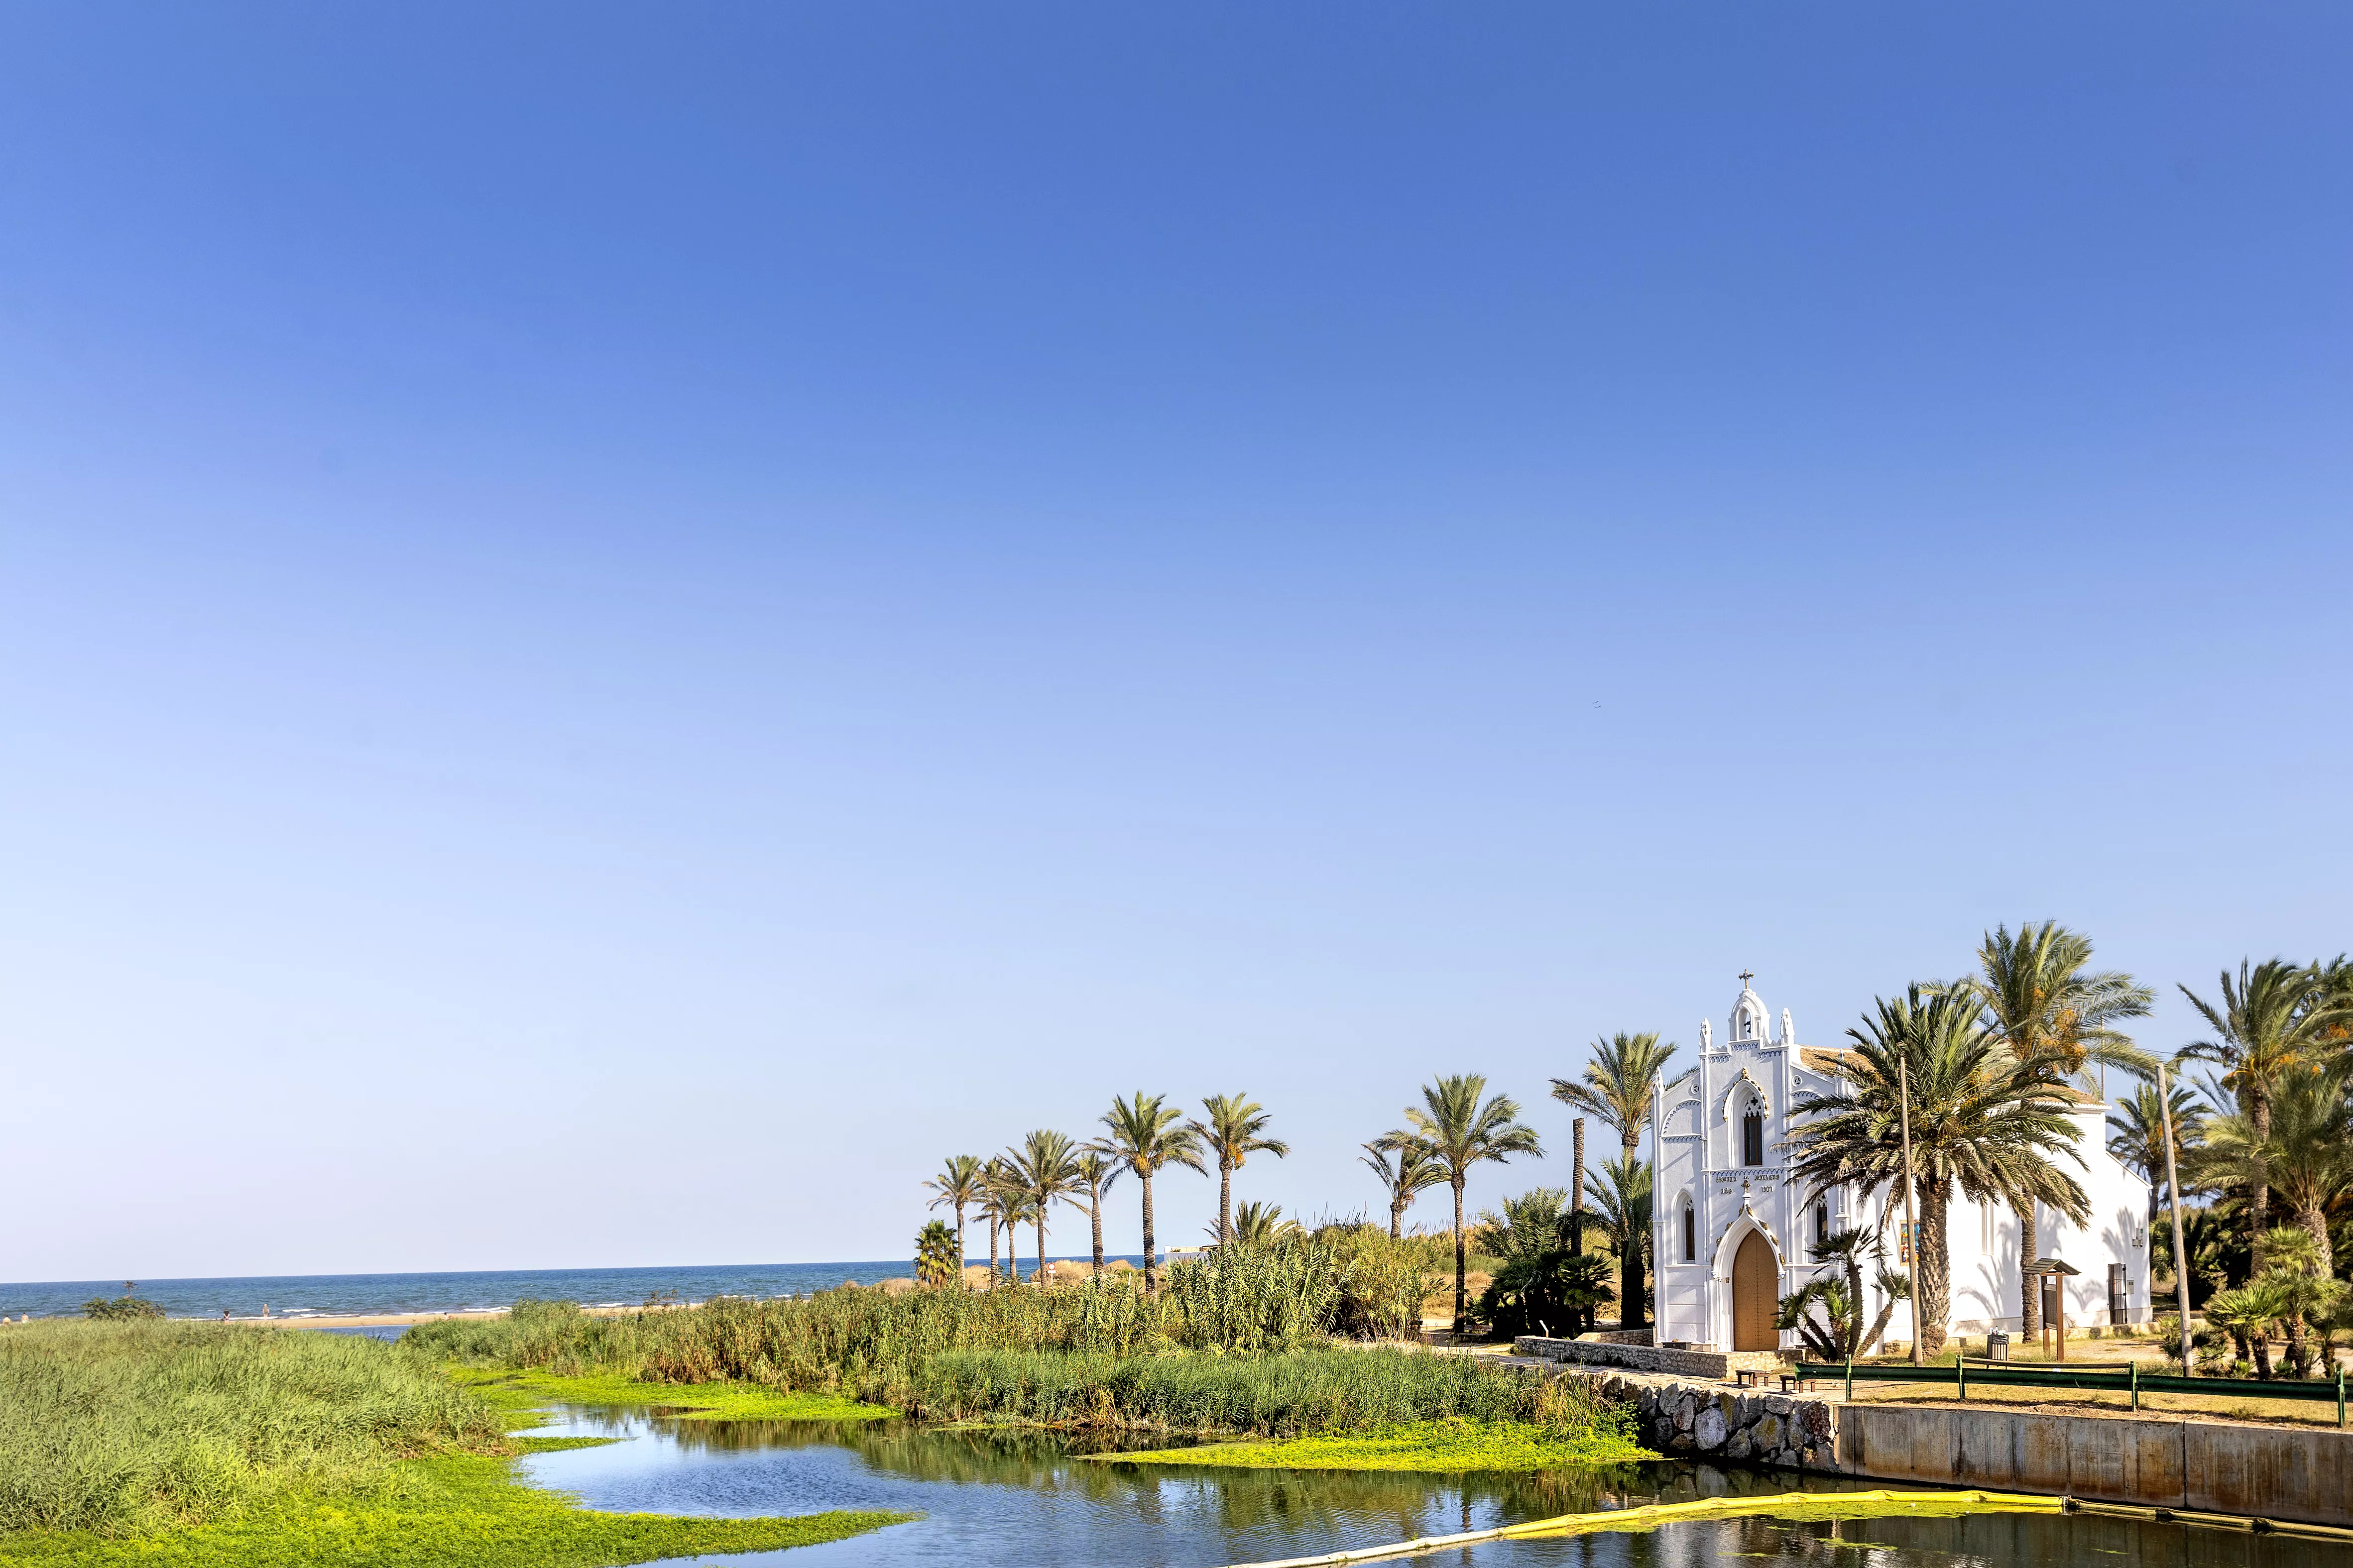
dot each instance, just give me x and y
(1006, 1499)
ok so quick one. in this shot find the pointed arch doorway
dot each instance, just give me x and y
(1756, 1295)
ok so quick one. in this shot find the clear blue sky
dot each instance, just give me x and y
(619, 626)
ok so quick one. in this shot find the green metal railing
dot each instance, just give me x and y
(2127, 1379)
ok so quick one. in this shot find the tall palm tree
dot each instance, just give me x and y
(1617, 1084)
(1976, 1125)
(1229, 1126)
(2306, 1158)
(1461, 1131)
(1094, 1169)
(958, 1187)
(2278, 1017)
(1406, 1168)
(1144, 1137)
(1009, 1201)
(2056, 1017)
(1619, 1193)
(2136, 1134)
(1045, 1167)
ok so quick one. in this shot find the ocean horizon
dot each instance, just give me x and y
(358, 1295)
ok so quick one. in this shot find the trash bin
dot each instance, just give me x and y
(1996, 1346)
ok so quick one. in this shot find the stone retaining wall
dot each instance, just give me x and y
(1715, 1364)
(1677, 1417)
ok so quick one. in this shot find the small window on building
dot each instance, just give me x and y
(1821, 1222)
(1752, 1137)
(1691, 1235)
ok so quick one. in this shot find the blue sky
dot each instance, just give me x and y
(621, 626)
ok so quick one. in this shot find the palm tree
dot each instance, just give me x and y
(1094, 1170)
(2300, 1271)
(2278, 1017)
(996, 1207)
(937, 1260)
(1406, 1167)
(1621, 1195)
(1460, 1132)
(958, 1187)
(2136, 1134)
(2306, 1159)
(2055, 1016)
(2248, 1314)
(1618, 1082)
(1976, 1124)
(1045, 1167)
(1846, 1249)
(1229, 1126)
(1261, 1224)
(1145, 1138)
(1006, 1205)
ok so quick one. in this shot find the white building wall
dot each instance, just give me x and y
(1701, 1169)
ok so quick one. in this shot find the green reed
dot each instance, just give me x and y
(120, 1427)
(867, 1344)
(1334, 1390)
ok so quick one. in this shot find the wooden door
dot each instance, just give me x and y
(1755, 1296)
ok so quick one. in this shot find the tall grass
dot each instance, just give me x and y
(121, 1427)
(866, 1344)
(1239, 1341)
(1272, 1396)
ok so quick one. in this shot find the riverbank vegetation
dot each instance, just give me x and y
(1450, 1446)
(180, 1445)
(1298, 1294)
(1250, 1341)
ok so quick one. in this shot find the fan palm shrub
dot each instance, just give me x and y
(1145, 1137)
(1230, 1127)
(1459, 1131)
(1617, 1084)
(1830, 1335)
(2056, 1017)
(1977, 1126)
(2248, 1314)
(1406, 1168)
(936, 1256)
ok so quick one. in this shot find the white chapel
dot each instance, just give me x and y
(1734, 1230)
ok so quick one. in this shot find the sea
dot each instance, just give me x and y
(362, 1295)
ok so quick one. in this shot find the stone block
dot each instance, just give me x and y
(1708, 1428)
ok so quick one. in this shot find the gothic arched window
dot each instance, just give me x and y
(1752, 1135)
(1691, 1235)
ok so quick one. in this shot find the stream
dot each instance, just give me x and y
(994, 1499)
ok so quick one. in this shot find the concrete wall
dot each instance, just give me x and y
(2269, 1472)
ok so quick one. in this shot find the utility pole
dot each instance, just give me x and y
(1911, 1225)
(1659, 1219)
(1576, 1213)
(2173, 1190)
